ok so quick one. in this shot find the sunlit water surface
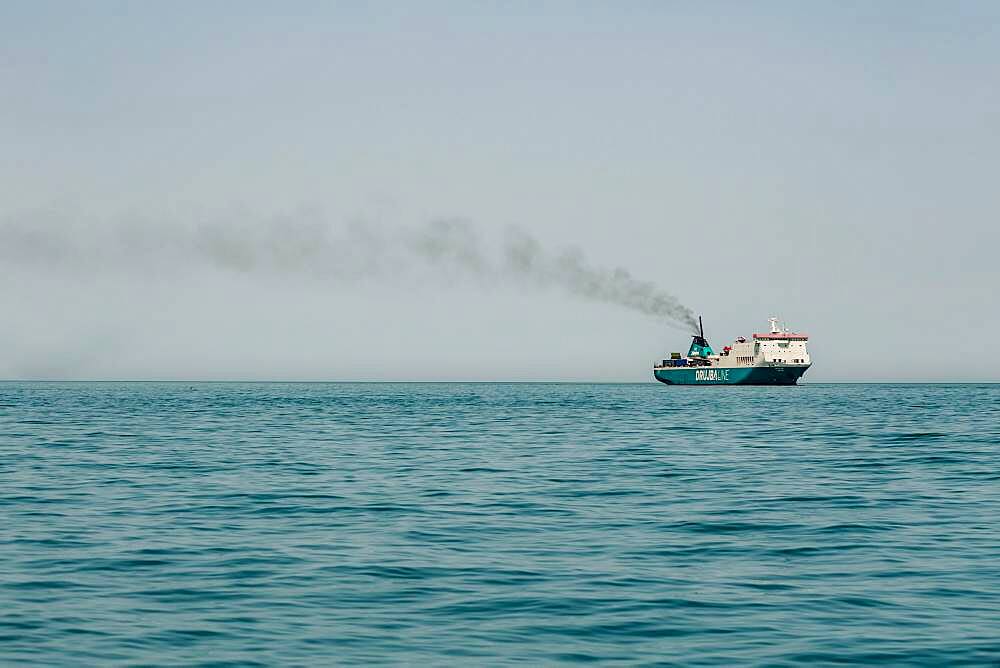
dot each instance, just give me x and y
(442, 524)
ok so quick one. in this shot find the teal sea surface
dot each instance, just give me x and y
(498, 524)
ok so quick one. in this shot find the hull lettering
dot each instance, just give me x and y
(712, 374)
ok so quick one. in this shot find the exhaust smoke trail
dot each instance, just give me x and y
(307, 244)
(524, 258)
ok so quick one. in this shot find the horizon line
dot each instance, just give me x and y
(464, 382)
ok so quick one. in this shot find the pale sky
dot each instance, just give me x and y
(833, 164)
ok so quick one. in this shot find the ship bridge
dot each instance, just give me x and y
(777, 347)
(780, 345)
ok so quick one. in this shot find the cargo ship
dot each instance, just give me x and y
(778, 357)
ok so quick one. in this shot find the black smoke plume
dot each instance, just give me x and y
(308, 244)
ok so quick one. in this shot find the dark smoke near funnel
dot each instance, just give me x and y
(524, 258)
(308, 245)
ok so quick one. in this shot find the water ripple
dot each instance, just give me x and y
(309, 524)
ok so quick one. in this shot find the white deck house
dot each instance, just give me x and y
(777, 347)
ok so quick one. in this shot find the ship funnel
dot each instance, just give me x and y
(774, 325)
(699, 345)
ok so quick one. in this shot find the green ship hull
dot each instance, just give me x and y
(750, 375)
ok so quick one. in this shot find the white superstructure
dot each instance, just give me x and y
(776, 347)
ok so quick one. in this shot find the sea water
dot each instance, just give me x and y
(493, 524)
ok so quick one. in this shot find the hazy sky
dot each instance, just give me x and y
(225, 190)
